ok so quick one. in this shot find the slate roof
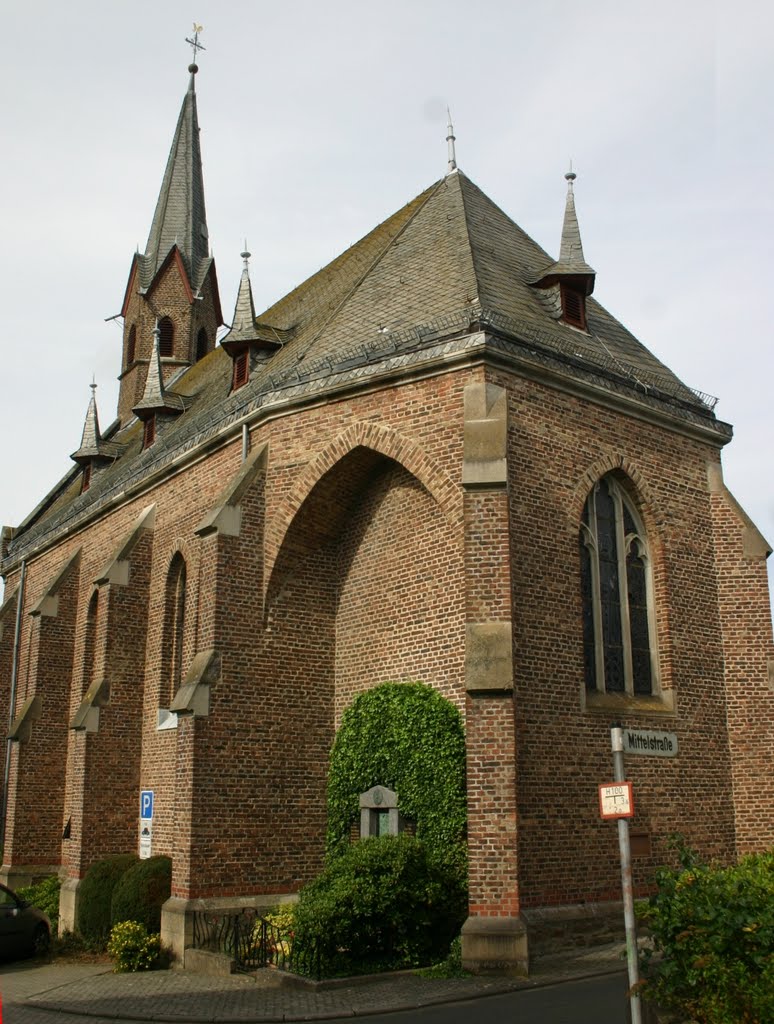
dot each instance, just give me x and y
(444, 272)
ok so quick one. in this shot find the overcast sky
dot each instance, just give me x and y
(320, 119)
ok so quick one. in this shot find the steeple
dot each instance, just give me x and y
(180, 218)
(173, 282)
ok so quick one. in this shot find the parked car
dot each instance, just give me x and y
(24, 929)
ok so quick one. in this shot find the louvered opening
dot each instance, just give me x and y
(166, 337)
(131, 345)
(241, 370)
(202, 344)
(573, 307)
(86, 483)
(149, 432)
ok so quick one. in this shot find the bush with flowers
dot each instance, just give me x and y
(712, 931)
(131, 948)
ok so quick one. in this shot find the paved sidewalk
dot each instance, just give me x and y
(93, 990)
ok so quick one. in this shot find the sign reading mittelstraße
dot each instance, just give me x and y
(650, 742)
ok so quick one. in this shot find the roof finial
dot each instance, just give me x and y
(570, 177)
(195, 46)
(246, 255)
(450, 139)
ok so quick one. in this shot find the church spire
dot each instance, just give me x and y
(180, 217)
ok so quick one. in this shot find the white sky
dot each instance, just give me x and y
(319, 119)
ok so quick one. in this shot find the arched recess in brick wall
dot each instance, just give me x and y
(383, 441)
(370, 578)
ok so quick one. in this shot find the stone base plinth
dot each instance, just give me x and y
(16, 876)
(495, 945)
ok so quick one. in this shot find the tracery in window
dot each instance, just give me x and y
(616, 591)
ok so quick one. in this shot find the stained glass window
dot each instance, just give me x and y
(616, 594)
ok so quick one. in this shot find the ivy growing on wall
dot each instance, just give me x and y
(409, 738)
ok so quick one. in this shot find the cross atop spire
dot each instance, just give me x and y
(450, 140)
(195, 44)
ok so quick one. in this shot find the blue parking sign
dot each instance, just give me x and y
(146, 804)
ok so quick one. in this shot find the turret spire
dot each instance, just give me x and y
(450, 140)
(571, 248)
(91, 437)
(243, 324)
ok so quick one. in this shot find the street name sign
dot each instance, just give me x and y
(649, 742)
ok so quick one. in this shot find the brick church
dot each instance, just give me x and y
(438, 459)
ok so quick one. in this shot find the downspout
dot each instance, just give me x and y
(12, 702)
(245, 442)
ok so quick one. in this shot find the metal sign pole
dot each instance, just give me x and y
(616, 742)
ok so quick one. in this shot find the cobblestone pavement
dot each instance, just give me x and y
(60, 990)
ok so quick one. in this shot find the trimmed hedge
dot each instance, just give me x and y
(713, 936)
(95, 895)
(140, 892)
(383, 904)
(409, 738)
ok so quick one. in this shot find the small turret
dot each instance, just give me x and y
(248, 343)
(570, 280)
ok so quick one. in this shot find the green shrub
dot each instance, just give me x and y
(713, 935)
(95, 895)
(45, 896)
(409, 738)
(384, 904)
(140, 892)
(451, 967)
(131, 948)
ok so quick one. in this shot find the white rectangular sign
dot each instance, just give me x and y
(615, 800)
(146, 838)
(649, 742)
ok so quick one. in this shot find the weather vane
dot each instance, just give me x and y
(194, 43)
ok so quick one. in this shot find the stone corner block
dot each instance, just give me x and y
(488, 657)
(485, 436)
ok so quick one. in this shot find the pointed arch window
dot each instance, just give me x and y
(174, 632)
(90, 641)
(617, 594)
(166, 337)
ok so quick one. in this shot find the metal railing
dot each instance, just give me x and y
(252, 942)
